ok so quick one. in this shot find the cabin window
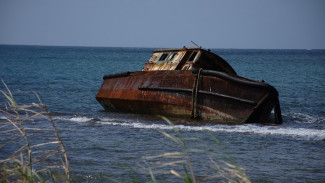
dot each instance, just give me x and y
(163, 56)
(172, 56)
(193, 56)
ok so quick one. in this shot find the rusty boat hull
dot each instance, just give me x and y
(198, 94)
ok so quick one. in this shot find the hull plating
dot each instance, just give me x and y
(207, 95)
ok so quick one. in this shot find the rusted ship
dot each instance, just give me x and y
(190, 83)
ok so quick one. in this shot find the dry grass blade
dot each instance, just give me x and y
(21, 136)
(173, 172)
(4, 125)
(172, 137)
(172, 163)
(46, 143)
(10, 141)
(232, 173)
(224, 170)
(9, 97)
(165, 155)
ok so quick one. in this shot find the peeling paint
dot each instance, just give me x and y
(165, 86)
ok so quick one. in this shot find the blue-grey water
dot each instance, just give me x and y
(100, 143)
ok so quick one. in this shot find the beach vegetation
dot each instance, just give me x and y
(36, 153)
(217, 161)
(30, 153)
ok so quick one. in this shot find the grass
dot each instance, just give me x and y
(29, 153)
(37, 154)
(180, 165)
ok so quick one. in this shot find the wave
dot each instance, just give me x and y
(81, 119)
(300, 133)
(305, 118)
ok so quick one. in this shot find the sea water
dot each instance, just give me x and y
(99, 143)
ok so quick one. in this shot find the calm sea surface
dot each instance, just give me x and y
(100, 143)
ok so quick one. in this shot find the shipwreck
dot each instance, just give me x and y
(190, 83)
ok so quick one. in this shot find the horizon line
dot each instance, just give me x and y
(148, 47)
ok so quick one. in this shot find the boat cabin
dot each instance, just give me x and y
(187, 59)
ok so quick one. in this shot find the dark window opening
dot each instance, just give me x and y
(192, 56)
(163, 57)
(172, 56)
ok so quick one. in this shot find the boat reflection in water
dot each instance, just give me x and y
(190, 83)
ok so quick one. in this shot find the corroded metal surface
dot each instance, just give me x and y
(187, 59)
(190, 82)
(170, 93)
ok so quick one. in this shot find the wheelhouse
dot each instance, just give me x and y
(187, 59)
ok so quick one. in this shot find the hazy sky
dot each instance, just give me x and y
(165, 23)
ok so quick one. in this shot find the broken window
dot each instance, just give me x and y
(163, 56)
(172, 56)
(192, 56)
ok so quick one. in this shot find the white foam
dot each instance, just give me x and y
(75, 119)
(300, 133)
(304, 133)
(81, 119)
(305, 118)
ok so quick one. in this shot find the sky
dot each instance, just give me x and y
(243, 24)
